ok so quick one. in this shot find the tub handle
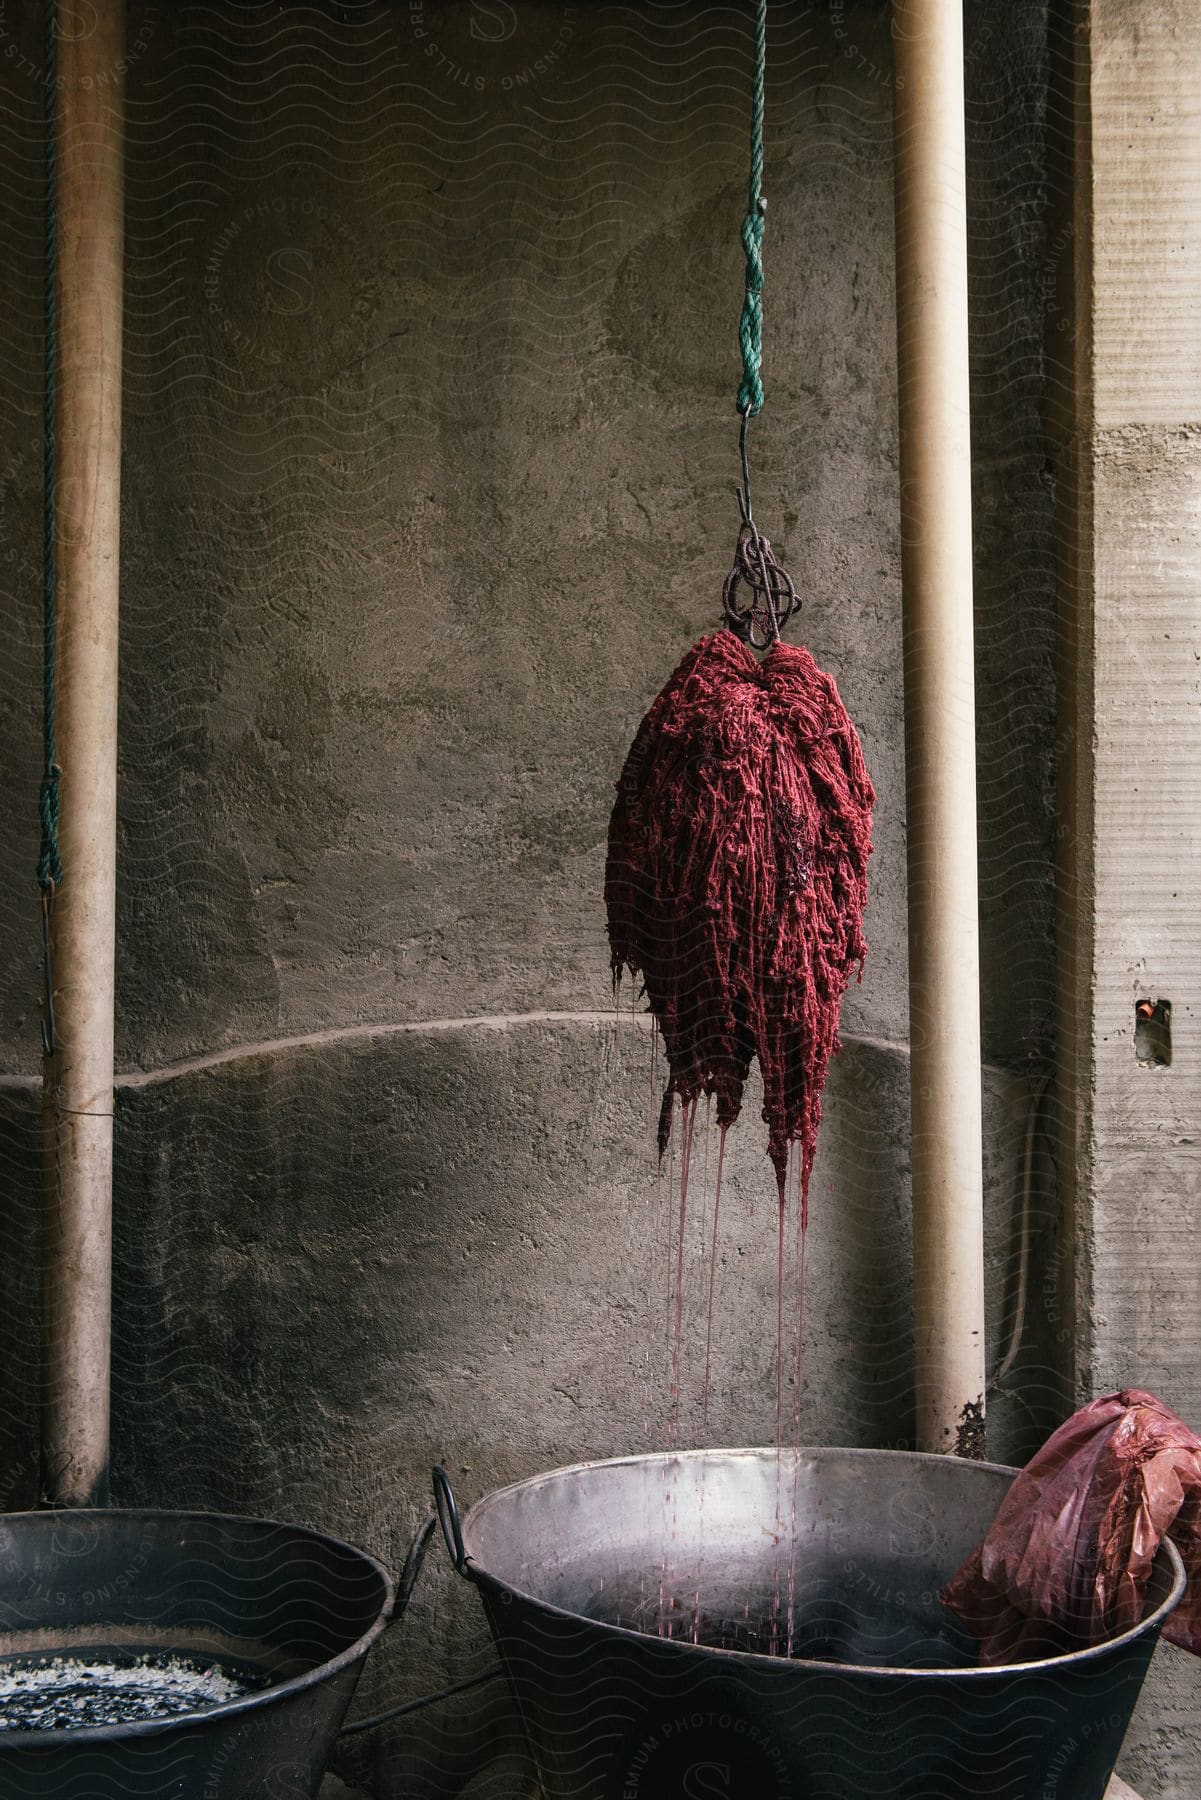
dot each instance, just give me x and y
(404, 1593)
(448, 1518)
(412, 1568)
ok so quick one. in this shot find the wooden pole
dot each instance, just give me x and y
(940, 733)
(78, 1075)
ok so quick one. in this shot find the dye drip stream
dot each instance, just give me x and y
(56, 1693)
(776, 1631)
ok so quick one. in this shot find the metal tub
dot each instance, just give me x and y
(301, 1608)
(585, 1571)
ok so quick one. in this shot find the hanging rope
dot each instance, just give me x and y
(50, 867)
(750, 328)
(50, 863)
(759, 597)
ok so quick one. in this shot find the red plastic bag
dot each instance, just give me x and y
(1066, 1560)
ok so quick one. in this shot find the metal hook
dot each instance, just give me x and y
(772, 598)
(49, 1033)
(743, 493)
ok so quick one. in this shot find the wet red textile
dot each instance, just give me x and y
(1066, 1560)
(737, 878)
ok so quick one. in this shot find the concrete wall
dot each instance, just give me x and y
(1132, 630)
(430, 446)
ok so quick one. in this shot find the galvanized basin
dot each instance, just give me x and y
(300, 1609)
(634, 1603)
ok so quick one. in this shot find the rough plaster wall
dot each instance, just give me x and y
(429, 454)
(1010, 253)
(1013, 521)
(1139, 925)
(426, 480)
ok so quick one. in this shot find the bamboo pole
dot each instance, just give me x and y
(940, 747)
(78, 1076)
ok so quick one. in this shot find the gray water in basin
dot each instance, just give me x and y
(52, 1693)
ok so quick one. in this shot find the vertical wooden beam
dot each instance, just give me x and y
(940, 728)
(79, 1075)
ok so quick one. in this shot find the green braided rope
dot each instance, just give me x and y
(750, 327)
(50, 867)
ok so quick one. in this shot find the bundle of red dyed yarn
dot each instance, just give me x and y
(737, 878)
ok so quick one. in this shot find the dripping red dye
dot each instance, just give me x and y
(737, 877)
(721, 1158)
(686, 1136)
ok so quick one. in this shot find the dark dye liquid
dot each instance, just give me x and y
(884, 1630)
(56, 1693)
